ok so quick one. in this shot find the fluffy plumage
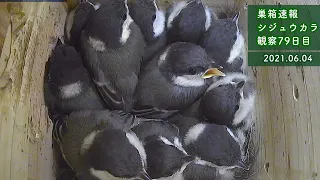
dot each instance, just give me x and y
(188, 21)
(224, 43)
(114, 53)
(164, 158)
(68, 86)
(76, 21)
(100, 143)
(229, 101)
(172, 81)
(151, 20)
(147, 128)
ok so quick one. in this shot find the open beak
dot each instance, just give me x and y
(144, 176)
(212, 72)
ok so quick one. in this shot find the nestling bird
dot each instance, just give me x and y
(76, 21)
(224, 43)
(154, 127)
(151, 20)
(229, 101)
(68, 86)
(113, 47)
(187, 21)
(173, 80)
(214, 143)
(166, 161)
(164, 158)
(204, 170)
(100, 144)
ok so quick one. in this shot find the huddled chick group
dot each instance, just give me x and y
(136, 92)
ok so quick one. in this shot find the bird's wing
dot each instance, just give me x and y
(59, 129)
(103, 83)
(152, 112)
(109, 95)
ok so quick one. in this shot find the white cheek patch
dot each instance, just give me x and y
(237, 48)
(189, 80)
(193, 133)
(245, 107)
(208, 18)
(175, 12)
(87, 142)
(135, 141)
(71, 90)
(228, 80)
(159, 23)
(97, 44)
(126, 31)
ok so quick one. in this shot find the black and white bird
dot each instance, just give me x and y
(173, 80)
(151, 20)
(155, 127)
(204, 170)
(188, 21)
(165, 154)
(165, 159)
(225, 43)
(230, 101)
(99, 144)
(214, 143)
(68, 86)
(113, 47)
(76, 21)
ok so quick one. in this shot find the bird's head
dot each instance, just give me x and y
(187, 64)
(113, 153)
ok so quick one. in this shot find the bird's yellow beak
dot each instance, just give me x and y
(212, 72)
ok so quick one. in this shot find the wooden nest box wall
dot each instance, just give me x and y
(287, 110)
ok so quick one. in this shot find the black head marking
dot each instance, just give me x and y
(189, 25)
(82, 14)
(186, 59)
(219, 105)
(219, 39)
(106, 23)
(155, 127)
(143, 12)
(66, 67)
(111, 151)
(216, 145)
(195, 171)
(163, 160)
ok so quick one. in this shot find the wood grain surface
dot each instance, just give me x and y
(25, 134)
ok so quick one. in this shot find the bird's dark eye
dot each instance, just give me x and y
(124, 17)
(237, 107)
(154, 17)
(220, 85)
(196, 70)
